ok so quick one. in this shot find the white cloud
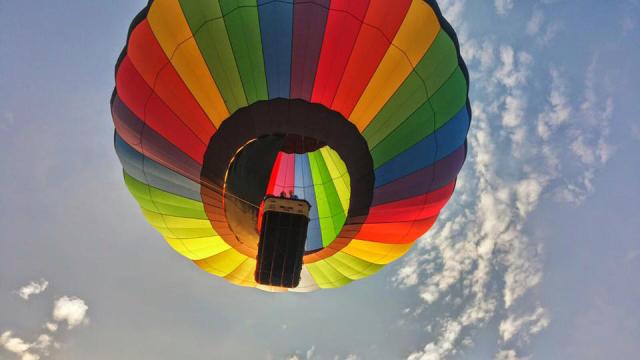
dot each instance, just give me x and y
(29, 356)
(629, 20)
(463, 247)
(72, 310)
(445, 344)
(528, 193)
(478, 262)
(452, 10)
(483, 52)
(514, 108)
(52, 327)
(523, 268)
(550, 32)
(308, 355)
(588, 137)
(508, 355)
(597, 111)
(535, 23)
(13, 344)
(514, 68)
(310, 352)
(558, 111)
(585, 153)
(524, 325)
(503, 6)
(538, 27)
(311, 355)
(512, 75)
(484, 233)
(33, 288)
(24, 350)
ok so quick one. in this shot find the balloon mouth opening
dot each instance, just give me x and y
(287, 166)
(293, 147)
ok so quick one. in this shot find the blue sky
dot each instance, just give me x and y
(536, 257)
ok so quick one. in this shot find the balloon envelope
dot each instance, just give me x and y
(359, 107)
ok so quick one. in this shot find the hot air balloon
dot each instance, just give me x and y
(357, 108)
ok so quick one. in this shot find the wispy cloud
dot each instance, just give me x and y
(558, 110)
(478, 260)
(307, 355)
(509, 355)
(525, 325)
(33, 288)
(540, 29)
(503, 7)
(452, 10)
(588, 134)
(52, 327)
(631, 18)
(535, 22)
(311, 352)
(311, 355)
(69, 310)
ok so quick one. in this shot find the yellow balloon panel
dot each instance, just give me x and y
(243, 275)
(412, 41)
(198, 248)
(174, 35)
(222, 264)
(375, 252)
(352, 267)
(326, 276)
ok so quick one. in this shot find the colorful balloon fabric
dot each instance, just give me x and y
(359, 107)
